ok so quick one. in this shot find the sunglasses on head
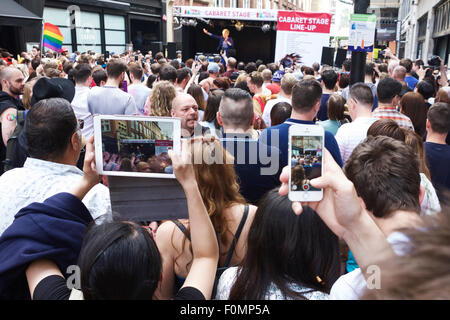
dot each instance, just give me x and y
(80, 123)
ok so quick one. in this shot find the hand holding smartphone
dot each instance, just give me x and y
(306, 145)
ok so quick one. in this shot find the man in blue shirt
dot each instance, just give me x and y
(436, 150)
(306, 96)
(256, 164)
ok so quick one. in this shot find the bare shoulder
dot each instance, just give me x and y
(168, 235)
(237, 210)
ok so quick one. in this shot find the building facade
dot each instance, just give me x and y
(97, 25)
(387, 22)
(425, 29)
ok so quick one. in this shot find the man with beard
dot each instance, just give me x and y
(12, 84)
(185, 107)
(109, 99)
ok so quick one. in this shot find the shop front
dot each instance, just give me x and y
(96, 25)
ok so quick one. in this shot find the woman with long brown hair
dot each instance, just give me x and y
(288, 256)
(229, 213)
(413, 105)
(197, 93)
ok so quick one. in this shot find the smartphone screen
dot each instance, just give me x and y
(306, 162)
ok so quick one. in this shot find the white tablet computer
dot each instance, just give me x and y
(136, 146)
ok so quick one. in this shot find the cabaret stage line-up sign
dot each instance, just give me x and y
(303, 33)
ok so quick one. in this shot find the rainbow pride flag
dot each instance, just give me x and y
(53, 38)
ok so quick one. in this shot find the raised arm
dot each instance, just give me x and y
(443, 69)
(90, 177)
(389, 54)
(204, 244)
(211, 34)
(225, 58)
(40, 269)
(341, 210)
(195, 70)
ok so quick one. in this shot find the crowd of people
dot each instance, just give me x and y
(385, 175)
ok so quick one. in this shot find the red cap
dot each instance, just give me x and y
(64, 49)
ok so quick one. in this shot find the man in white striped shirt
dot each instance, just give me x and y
(349, 135)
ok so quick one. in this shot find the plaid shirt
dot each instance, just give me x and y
(392, 113)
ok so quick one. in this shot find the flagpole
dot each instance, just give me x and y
(42, 39)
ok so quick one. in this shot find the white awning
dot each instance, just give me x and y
(225, 13)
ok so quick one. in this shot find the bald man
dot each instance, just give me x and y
(391, 66)
(185, 107)
(399, 74)
(12, 84)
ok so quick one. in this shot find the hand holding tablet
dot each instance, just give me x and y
(136, 146)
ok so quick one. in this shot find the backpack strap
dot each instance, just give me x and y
(20, 117)
(261, 103)
(236, 236)
(182, 228)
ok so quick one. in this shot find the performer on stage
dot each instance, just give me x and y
(225, 42)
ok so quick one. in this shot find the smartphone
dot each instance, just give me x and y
(306, 145)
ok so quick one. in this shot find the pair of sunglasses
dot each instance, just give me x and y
(80, 123)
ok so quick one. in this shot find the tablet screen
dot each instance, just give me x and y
(138, 146)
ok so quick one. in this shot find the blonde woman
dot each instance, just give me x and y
(24, 69)
(241, 78)
(28, 93)
(159, 103)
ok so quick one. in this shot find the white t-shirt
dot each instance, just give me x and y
(80, 107)
(229, 276)
(352, 286)
(268, 108)
(110, 100)
(349, 135)
(430, 203)
(140, 94)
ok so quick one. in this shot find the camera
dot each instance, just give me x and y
(434, 61)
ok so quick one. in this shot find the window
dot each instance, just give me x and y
(268, 4)
(419, 49)
(88, 32)
(442, 18)
(259, 4)
(233, 3)
(220, 3)
(106, 127)
(60, 18)
(115, 33)
(422, 27)
(246, 4)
